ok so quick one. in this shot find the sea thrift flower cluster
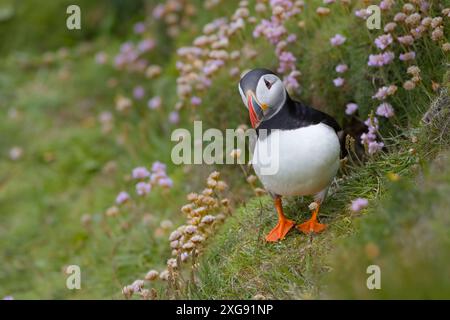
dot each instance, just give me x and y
(122, 197)
(201, 211)
(385, 91)
(411, 55)
(379, 60)
(337, 40)
(341, 68)
(275, 31)
(146, 181)
(322, 12)
(159, 175)
(383, 41)
(414, 22)
(358, 204)
(209, 53)
(351, 108)
(101, 57)
(414, 72)
(123, 104)
(154, 103)
(339, 82)
(176, 14)
(385, 110)
(219, 50)
(15, 153)
(204, 211)
(106, 120)
(133, 57)
(368, 139)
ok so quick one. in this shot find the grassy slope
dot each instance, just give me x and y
(407, 225)
(240, 265)
(404, 230)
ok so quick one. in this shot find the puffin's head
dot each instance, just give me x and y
(263, 93)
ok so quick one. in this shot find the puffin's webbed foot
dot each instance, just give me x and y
(312, 225)
(280, 231)
(283, 226)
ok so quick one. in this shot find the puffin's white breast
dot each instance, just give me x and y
(302, 161)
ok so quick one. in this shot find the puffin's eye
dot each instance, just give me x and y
(267, 83)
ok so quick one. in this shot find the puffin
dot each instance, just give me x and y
(304, 147)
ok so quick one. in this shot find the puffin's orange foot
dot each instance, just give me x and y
(280, 231)
(311, 226)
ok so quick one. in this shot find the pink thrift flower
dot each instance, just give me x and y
(386, 4)
(341, 68)
(138, 92)
(382, 93)
(291, 38)
(362, 13)
(234, 72)
(143, 188)
(385, 109)
(351, 108)
(375, 146)
(158, 167)
(101, 58)
(139, 28)
(337, 40)
(383, 41)
(158, 11)
(339, 82)
(388, 57)
(406, 40)
(196, 101)
(146, 45)
(287, 62)
(165, 182)
(359, 204)
(290, 81)
(411, 55)
(369, 138)
(122, 197)
(379, 60)
(174, 117)
(154, 103)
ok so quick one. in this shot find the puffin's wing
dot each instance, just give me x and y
(317, 116)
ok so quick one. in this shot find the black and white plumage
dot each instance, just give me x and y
(306, 144)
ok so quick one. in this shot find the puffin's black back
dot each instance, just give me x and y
(295, 115)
